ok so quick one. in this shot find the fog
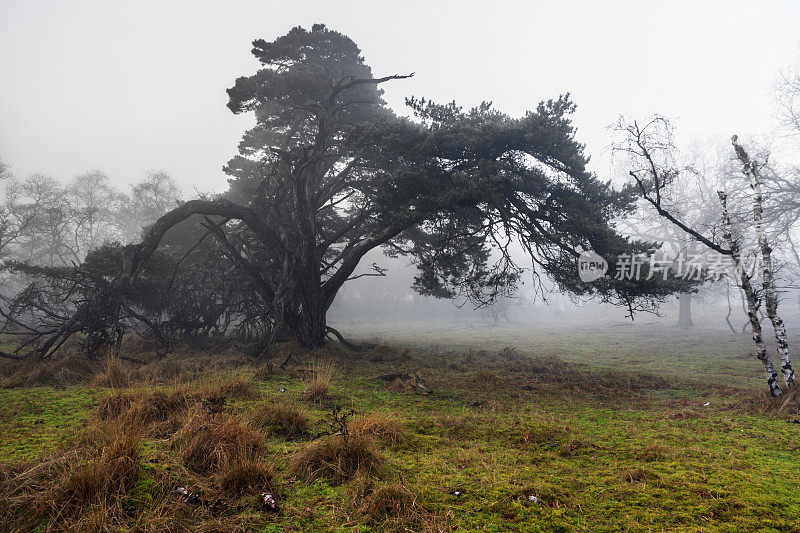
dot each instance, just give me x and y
(399, 266)
(130, 87)
(127, 89)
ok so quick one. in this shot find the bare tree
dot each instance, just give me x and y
(752, 300)
(655, 171)
(147, 201)
(47, 238)
(91, 199)
(750, 168)
(14, 221)
(788, 97)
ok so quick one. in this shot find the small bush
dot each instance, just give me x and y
(337, 458)
(281, 419)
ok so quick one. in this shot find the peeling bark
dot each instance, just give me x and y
(750, 169)
(752, 301)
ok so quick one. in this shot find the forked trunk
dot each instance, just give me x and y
(752, 301)
(768, 280)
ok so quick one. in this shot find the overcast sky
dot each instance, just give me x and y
(129, 86)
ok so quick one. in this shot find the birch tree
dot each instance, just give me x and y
(750, 168)
(655, 169)
(752, 299)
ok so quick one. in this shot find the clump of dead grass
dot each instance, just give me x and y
(281, 419)
(239, 387)
(77, 488)
(58, 371)
(317, 378)
(115, 374)
(381, 426)
(383, 503)
(337, 458)
(155, 413)
(391, 506)
(254, 475)
(790, 402)
(210, 443)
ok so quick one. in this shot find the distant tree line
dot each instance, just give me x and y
(46, 222)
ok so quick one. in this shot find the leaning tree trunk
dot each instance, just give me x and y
(685, 310)
(752, 301)
(768, 279)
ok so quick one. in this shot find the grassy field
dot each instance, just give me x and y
(637, 427)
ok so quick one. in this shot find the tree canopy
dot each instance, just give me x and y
(329, 173)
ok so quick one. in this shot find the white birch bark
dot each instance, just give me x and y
(752, 300)
(750, 169)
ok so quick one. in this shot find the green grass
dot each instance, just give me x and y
(594, 459)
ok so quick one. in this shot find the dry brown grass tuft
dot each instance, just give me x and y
(790, 401)
(316, 392)
(239, 387)
(337, 458)
(154, 413)
(391, 506)
(76, 489)
(318, 381)
(116, 374)
(250, 475)
(59, 371)
(384, 427)
(209, 443)
(111, 469)
(391, 501)
(282, 419)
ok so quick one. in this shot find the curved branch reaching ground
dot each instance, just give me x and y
(136, 253)
(356, 347)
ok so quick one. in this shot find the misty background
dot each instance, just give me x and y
(131, 89)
